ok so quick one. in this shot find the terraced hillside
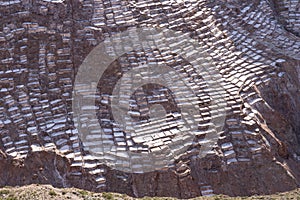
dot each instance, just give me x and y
(236, 88)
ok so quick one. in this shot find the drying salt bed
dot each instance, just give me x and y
(41, 50)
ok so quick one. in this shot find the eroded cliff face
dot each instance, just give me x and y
(282, 99)
(253, 46)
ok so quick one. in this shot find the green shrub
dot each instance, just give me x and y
(4, 192)
(108, 196)
(11, 197)
(52, 193)
(83, 192)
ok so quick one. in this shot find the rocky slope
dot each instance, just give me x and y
(253, 47)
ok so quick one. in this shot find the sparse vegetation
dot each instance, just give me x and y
(46, 192)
